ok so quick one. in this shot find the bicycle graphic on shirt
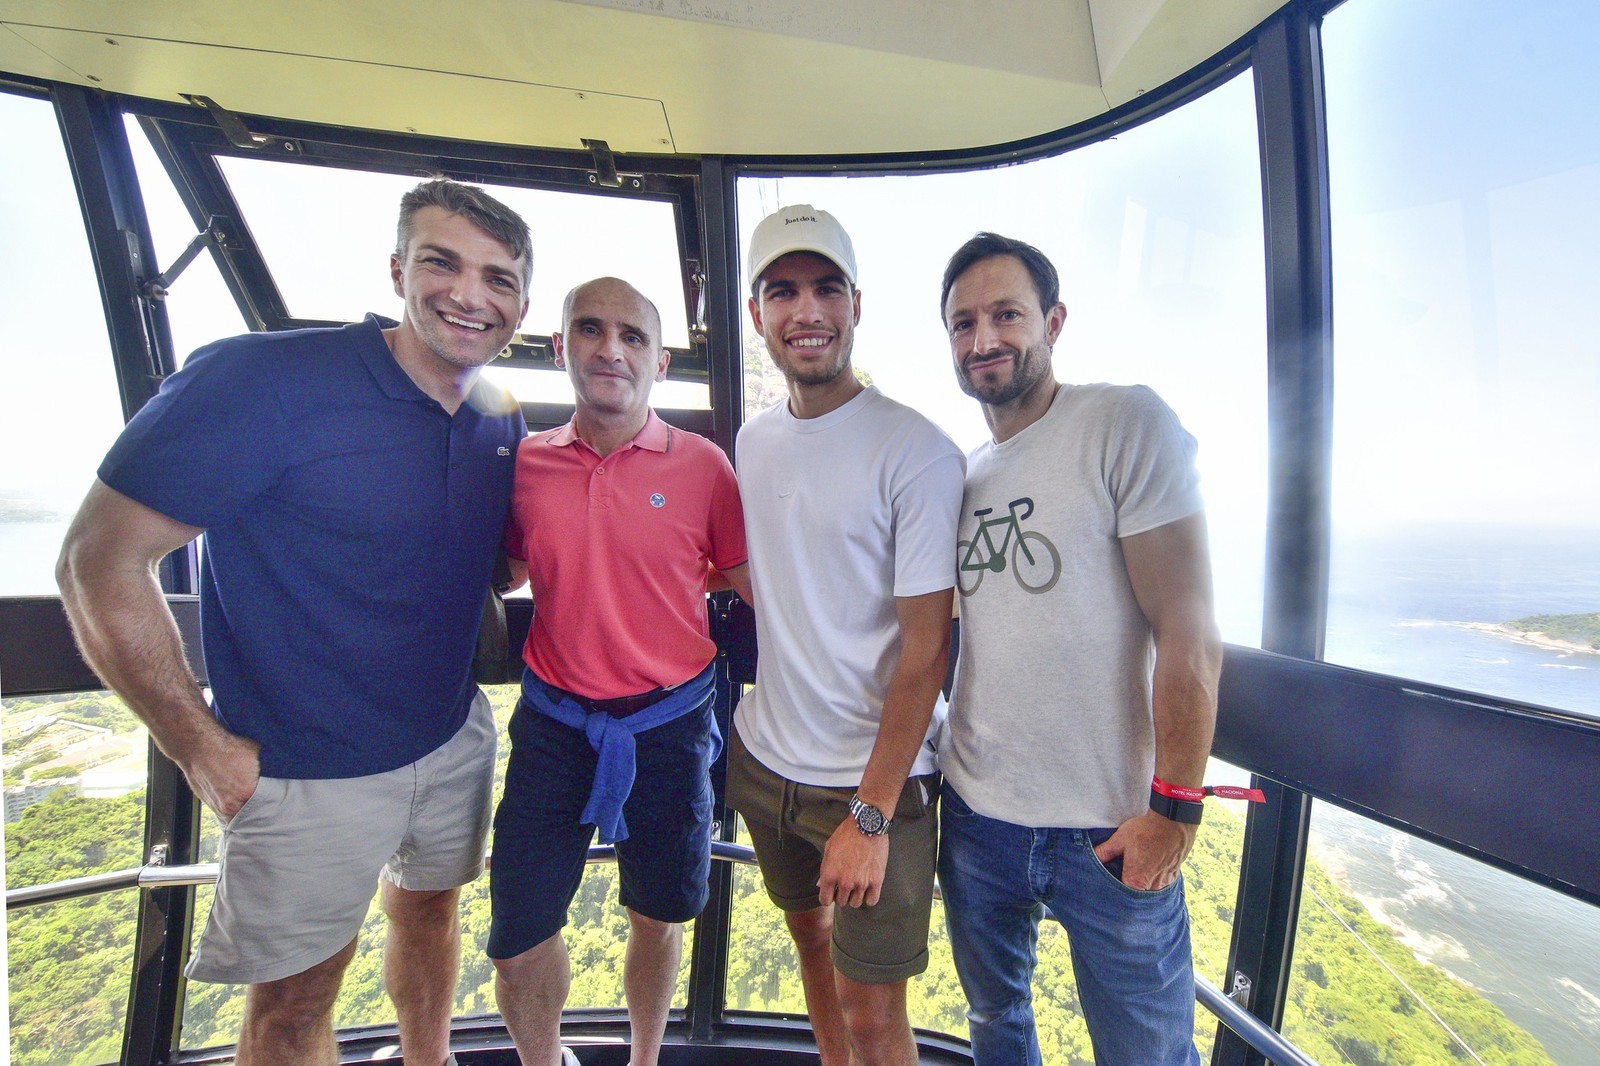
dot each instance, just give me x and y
(1035, 563)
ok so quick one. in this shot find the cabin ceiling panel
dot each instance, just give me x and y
(763, 77)
(1135, 62)
(359, 94)
(1041, 38)
(20, 57)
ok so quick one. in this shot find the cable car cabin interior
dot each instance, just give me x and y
(1351, 244)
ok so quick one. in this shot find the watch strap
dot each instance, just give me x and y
(869, 819)
(1183, 811)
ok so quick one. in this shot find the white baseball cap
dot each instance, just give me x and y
(801, 228)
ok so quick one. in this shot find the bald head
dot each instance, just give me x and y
(607, 289)
(610, 346)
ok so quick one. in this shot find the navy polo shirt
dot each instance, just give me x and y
(351, 525)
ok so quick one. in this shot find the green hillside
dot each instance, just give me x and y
(1581, 629)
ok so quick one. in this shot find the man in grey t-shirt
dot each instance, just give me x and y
(1085, 697)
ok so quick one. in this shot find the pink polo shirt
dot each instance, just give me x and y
(617, 550)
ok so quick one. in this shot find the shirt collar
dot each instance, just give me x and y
(380, 361)
(656, 436)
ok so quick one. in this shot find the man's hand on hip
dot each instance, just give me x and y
(225, 773)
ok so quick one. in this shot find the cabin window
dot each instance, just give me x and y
(59, 409)
(326, 235)
(74, 764)
(1465, 512)
(199, 307)
(1409, 952)
(1157, 235)
(1466, 244)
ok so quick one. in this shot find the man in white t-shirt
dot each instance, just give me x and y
(1089, 665)
(851, 502)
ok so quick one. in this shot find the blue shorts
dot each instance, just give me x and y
(540, 847)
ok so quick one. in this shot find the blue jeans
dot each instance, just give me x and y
(1130, 948)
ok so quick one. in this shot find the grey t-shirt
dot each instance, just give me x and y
(1050, 721)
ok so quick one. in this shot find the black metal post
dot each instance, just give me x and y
(1294, 171)
(141, 345)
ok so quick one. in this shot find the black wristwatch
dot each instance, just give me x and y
(868, 818)
(1184, 812)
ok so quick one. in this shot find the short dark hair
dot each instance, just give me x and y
(989, 245)
(474, 205)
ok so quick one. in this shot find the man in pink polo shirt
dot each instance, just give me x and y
(616, 519)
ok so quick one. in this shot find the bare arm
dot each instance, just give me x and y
(519, 572)
(109, 587)
(853, 864)
(736, 578)
(1169, 568)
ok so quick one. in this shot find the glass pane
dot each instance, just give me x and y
(1157, 235)
(68, 968)
(68, 963)
(1407, 952)
(200, 309)
(317, 226)
(82, 759)
(1211, 885)
(763, 969)
(1465, 172)
(59, 410)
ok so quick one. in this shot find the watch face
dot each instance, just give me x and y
(869, 819)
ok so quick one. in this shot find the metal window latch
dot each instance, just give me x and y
(158, 856)
(699, 331)
(605, 173)
(1240, 992)
(215, 235)
(238, 134)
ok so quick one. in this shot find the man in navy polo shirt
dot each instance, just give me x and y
(352, 485)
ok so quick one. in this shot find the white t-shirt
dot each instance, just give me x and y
(842, 513)
(1050, 721)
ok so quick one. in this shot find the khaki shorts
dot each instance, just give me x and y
(301, 859)
(790, 823)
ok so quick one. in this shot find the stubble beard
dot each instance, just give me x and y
(449, 349)
(1028, 369)
(816, 375)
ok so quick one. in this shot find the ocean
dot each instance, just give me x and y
(28, 550)
(1399, 603)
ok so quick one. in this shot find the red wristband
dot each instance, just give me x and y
(1195, 795)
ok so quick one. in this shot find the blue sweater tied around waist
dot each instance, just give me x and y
(613, 743)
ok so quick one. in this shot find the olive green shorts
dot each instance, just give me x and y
(790, 823)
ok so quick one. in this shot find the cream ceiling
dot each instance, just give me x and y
(688, 76)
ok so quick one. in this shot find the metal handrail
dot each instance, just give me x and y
(1251, 1029)
(72, 888)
